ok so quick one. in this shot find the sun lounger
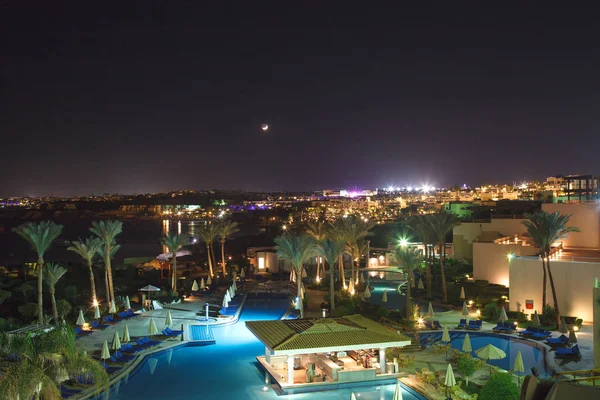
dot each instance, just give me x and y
(474, 325)
(108, 369)
(98, 325)
(131, 314)
(129, 348)
(566, 352)
(147, 342)
(120, 357)
(530, 330)
(228, 311)
(170, 332)
(462, 324)
(504, 327)
(562, 340)
(541, 335)
(80, 332)
(436, 325)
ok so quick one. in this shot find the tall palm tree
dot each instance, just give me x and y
(107, 231)
(336, 231)
(208, 233)
(53, 272)
(420, 224)
(88, 250)
(545, 229)
(408, 259)
(102, 256)
(440, 225)
(40, 236)
(174, 243)
(355, 229)
(226, 229)
(330, 250)
(297, 249)
(35, 366)
(318, 231)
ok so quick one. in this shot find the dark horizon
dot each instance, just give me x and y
(146, 97)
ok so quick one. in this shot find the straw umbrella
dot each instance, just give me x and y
(352, 396)
(563, 326)
(445, 334)
(209, 281)
(466, 347)
(168, 320)
(113, 309)
(80, 319)
(105, 354)
(430, 313)
(127, 303)
(465, 310)
(367, 293)
(195, 287)
(97, 313)
(462, 293)
(227, 296)
(450, 380)
(503, 316)
(126, 338)
(242, 274)
(420, 285)
(572, 337)
(490, 352)
(152, 330)
(384, 298)
(536, 319)
(225, 303)
(362, 278)
(397, 392)
(202, 284)
(519, 367)
(235, 288)
(116, 343)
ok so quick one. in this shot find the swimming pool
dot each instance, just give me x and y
(532, 355)
(226, 370)
(395, 299)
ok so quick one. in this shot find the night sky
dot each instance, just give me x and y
(131, 97)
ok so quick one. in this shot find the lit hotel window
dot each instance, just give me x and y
(261, 263)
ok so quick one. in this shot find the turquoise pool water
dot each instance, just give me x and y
(532, 356)
(395, 299)
(226, 370)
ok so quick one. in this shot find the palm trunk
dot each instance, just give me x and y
(54, 310)
(40, 288)
(106, 285)
(299, 290)
(442, 268)
(341, 266)
(331, 288)
(92, 283)
(223, 256)
(408, 302)
(210, 266)
(544, 280)
(554, 298)
(428, 270)
(111, 288)
(174, 277)
(212, 254)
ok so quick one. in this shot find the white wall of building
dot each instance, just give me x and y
(573, 282)
(490, 260)
(466, 233)
(584, 216)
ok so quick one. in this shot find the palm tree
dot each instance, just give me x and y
(107, 231)
(330, 250)
(226, 229)
(36, 365)
(102, 256)
(355, 229)
(208, 233)
(440, 225)
(545, 229)
(420, 224)
(408, 259)
(318, 231)
(53, 272)
(297, 249)
(335, 231)
(88, 250)
(40, 236)
(174, 243)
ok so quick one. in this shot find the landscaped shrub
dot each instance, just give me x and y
(383, 312)
(548, 315)
(500, 387)
(28, 310)
(63, 308)
(467, 367)
(491, 311)
(516, 316)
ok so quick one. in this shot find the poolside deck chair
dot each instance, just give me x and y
(110, 369)
(120, 357)
(80, 332)
(498, 328)
(562, 340)
(172, 332)
(462, 324)
(98, 325)
(474, 325)
(436, 325)
(530, 330)
(541, 335)
(147, 342)
(129, 348)
(568, 353)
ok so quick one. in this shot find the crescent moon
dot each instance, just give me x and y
(265, 127)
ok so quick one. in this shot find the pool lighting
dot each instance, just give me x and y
(516, 323)
(284, 227)
(264, 387)
(420, 320)
(403, 242)
(470, 303)
(575, 328)
(95, 303)
(510, 256)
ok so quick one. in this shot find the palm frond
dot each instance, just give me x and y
(40, 235)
